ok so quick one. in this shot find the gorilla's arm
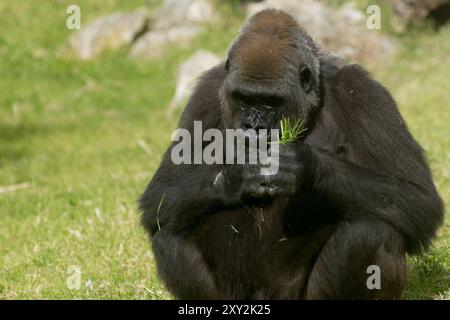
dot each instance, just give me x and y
(177, 197)
(384, 173)
(414, 209)
(172, 204)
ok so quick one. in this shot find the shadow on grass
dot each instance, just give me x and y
(17, 140)
(429, 276)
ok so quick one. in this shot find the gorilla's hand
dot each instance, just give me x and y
(280, 177)
(286, 169)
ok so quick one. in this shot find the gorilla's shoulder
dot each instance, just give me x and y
(354, 75)
(213, 78)
(351, 73)
(204, 103)
(352, 84)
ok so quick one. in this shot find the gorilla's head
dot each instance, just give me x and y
(272, 70)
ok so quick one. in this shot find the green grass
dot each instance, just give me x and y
(88, 136)
(291, 130)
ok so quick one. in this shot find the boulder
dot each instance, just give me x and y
(155, 43)
(175, 24)
(183, 12)
(110, 32)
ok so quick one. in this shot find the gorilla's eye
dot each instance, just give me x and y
(306, 78)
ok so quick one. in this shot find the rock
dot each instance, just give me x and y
(414, 10)
(182, 12)
(175, 24)
(342, 31)
(110, 32)
(188, 74)
(154, 43)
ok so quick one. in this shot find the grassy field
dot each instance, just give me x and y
(87, 137)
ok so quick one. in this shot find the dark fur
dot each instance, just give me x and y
(364, 195)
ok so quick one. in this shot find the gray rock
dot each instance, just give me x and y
(342, 31)
(155, 43)
(182, 12)
(110, 32)
(175, 24)
(188, 74)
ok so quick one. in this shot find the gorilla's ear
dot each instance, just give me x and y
(306, 79)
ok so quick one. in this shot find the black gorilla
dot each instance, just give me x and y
(355, 191)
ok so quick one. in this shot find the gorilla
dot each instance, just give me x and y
(354, 193)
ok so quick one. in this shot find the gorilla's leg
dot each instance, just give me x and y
(341, 269)
(182, 267)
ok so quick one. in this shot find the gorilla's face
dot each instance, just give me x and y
(270, 74)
